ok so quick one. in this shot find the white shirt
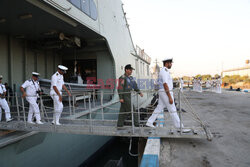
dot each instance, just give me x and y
(2, 89)
(56, 80)
(165, 77)
(31, 87)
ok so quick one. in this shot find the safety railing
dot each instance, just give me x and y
(96, 106)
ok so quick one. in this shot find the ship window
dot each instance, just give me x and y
(93, 10)
(76, 3)
(85, 7)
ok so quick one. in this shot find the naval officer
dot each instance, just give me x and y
(57, 84)
(166, 97)
(181, 84)
(3, 103)
(31, 91)
(126, 85)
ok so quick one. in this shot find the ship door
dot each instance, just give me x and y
(80, 71)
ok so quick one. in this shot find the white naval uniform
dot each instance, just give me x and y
(3, 104)
(31, 87)
(208, 85)
(181, 85)
(194, 85)
(218, 85)
(199, 84)
(165, 77)
(56, 80)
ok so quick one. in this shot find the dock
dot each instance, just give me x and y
(228, 117)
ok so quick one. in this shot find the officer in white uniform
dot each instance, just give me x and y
(199, 85)
(31, 91)
(181, 84)
(57, 84)
(3, 103)
(218, 85)
(166, 97)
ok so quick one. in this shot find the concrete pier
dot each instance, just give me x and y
(228, 115)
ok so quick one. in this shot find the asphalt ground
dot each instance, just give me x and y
(228, 117)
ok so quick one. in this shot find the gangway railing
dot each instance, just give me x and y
(98, 116)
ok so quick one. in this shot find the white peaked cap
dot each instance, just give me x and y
(167, 58)
(1, 76)
(62, 67)
(35, 73)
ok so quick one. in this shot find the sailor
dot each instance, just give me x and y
(166, 96)
(194, 84)
(3, 103)
(126, 85)
(31, 91)
(57, 84)
(199, 84)
(218, 85)
(181, 84)
(208, 84)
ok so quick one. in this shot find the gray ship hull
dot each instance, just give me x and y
(47, 149)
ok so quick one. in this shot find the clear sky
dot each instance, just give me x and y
(203, 36)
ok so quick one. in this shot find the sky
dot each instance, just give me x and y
(202, 36)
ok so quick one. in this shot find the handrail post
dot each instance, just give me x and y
(17, 107)
(138, 109)
(74, 103)
(70, 112)
(90, 112)
(84, 100)
(102, 104)
(41, 106)
(132, 112)
(94, 97)
(179, 99)
(24, 116)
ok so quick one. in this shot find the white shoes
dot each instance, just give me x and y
(57, 123)
(39, 122)
(150, 125)
(30, 122)
(184, 130)
(8, 120)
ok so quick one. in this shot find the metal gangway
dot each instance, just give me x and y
(97, 115)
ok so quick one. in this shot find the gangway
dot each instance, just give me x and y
(97, 120)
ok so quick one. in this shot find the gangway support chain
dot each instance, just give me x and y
(91, 119)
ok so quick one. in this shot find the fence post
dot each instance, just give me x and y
(84, 100)
(102, 104)
(17, 107)
(138, 108)
(132, 112)
(179, 99)
(90, 112)
(74, 103)
(41, 106)
(70, 112)
(24, 116)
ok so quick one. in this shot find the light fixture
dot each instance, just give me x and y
(25, 16)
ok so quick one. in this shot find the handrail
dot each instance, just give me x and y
(59, 6)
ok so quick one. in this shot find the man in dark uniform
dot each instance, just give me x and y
(126, 85)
